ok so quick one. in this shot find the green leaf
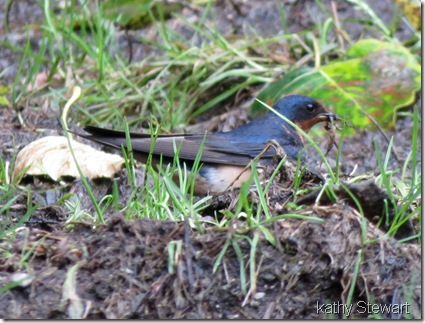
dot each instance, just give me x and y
(412, 10)
(375, 78)
(4, 90)
(134, 14)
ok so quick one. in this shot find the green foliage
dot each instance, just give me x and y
(405, 190)
(135, 14)
(4, 101)
(375, 79)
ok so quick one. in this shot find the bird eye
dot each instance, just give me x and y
(310, 107)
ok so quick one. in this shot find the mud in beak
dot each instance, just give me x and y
(328, 116)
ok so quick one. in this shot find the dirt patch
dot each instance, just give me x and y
(123, 271)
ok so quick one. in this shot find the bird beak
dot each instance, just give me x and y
(328, 116)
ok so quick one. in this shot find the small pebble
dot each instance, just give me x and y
(259, 295)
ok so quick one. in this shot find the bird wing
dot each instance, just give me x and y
(218, 148)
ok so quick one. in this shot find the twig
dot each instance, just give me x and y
(337, 25)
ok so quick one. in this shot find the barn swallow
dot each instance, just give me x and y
(225, 155)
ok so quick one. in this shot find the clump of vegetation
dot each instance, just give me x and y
(194, 73)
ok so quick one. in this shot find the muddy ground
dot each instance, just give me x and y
(121, 269)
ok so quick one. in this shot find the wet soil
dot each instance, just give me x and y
(122, 269)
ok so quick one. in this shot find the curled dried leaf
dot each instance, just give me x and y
(52, 157)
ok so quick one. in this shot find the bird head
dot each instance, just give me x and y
(302, 110)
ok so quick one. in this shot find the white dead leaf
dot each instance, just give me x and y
(51, 156)
(23, 279)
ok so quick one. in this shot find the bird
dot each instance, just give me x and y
(225, 155)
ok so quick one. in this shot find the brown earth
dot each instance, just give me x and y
(121, 269)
